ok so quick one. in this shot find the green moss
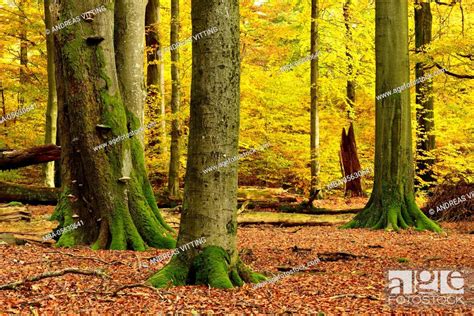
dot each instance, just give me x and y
(13, 203)
(211, 267)
(174, 273)
(403, 260)
(235, 278)
(248, 275)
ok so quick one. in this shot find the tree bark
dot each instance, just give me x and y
(100, 187)
(4, 109)
(173, 175)
(425, 138)
(314, 146)
(27, 194)
(210, 199)
(32, 156)
(23, 56)
(155, 73)
(350, 85)
(392, 203)
(52, 108)
(350, 163)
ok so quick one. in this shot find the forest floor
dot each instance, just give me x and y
(351, 283)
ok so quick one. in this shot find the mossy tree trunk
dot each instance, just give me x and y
(52, 108)
(155, 78)
(425, 138)
(173, 174)
(210, 199)
(392, 203)
(107, 188)
(314, 139)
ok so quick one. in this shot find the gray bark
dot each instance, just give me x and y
(173, 175)
(52, 108)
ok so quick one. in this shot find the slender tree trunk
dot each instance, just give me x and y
(392, 203)
(52, 109)
(350, 85)
(173, 175)
(209, 207)
(315, 167)
(4, 109)
(349, 157)
(155, 73)
(23, 57)
(425, 140)
(100, 187)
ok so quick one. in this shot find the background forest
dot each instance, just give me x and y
(274, 103)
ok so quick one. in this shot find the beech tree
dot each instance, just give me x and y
(210, 199)
(314, 141)
(425, 138)
(392, 203)
(52, 108)
(100, 98)
(173, 175)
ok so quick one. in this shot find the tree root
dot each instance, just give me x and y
(210, 267)
(394, 216)
(14, 285)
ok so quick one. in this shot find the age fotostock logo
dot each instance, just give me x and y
(429, 287)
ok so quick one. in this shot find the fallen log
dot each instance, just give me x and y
(15, 159)
(14, 214)
(289, 220)
(28, 194)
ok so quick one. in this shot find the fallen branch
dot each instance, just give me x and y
(143, 285)
(14, 285)
(31, 156)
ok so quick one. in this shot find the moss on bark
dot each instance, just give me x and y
(212, 266)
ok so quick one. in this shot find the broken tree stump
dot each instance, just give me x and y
(350, 163)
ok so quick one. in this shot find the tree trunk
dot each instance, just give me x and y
(32, 156)
(10, 192)
(4, 109)
(425, 138)
(350, 85)
(315, 167)
(100, 187)
(23, 56)
(210, 199)
(392, 203)
(173, 175)
(52, 109)
(350, 163)
(155, 73)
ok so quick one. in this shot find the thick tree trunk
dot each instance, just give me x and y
(52, 108)
(155, 74)
(173, 175)
(32, 156)
(314, 145)
(350, 163)
(425, 138)
(27, 194)
(210, 199)
(392, 203)
(100, 187)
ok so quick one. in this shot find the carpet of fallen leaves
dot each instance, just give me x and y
(349, 285)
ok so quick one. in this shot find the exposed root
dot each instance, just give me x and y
(210, 267)
(393, 216)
